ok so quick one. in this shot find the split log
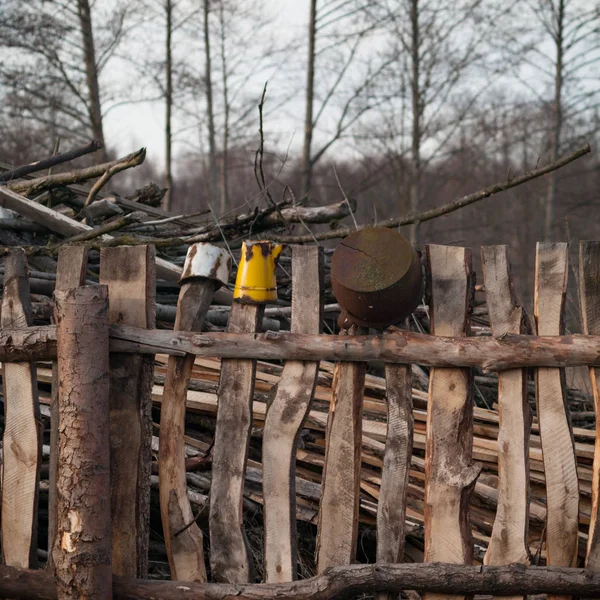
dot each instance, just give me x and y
(339, 582)
(82, 549)
(130, 276)
(449, 470)
(22, 441)
(589, 293)
(340, 497)
(285, 418)
(70, 273)
(509, 541)
(230, 558)
(560, 463)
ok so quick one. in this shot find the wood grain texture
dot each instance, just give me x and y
(560, 466)
(230, 559)
(589, 293)
(509, 542)
(285, 418)
(450, 472)
(130, 275)
(338, 508)
(22, 442)
(82, 549)
(70, 273)
(183, 537)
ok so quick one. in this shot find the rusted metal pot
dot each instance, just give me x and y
(376, 277)
(256, 282)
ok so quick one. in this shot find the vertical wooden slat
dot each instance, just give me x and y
(82, 549)
(508, 543)
(285, 418)
(230, 558)
(338, 508)
(560, 465)
(589, 292)
(130, 275)
(391, 505)
(22, 445)
(450, 472)
(70, 273)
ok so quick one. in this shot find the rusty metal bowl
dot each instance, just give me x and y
(376, 277)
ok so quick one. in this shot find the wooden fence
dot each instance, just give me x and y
(103, 345)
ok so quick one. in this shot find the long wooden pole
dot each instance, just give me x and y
(82, 549)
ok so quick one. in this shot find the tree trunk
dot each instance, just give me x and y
(214, 183)
(308, 118)
(415, 187)
(226, 107)
(82, 548)
(557, 118)
(168, 105)
(91, 72)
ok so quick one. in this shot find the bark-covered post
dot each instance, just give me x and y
(82, 548)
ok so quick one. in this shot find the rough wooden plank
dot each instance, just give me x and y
(129, 273)
(338, 509)
(22, 443)
(589, 292)
(450, 472)
(183, 537)
(560, 464)
(70, 273)
(82, 549)
(285, 418)
(391, 505)
(230, 559)
(509, 542)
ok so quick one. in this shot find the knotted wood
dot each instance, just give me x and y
(82, 549)
(450, 473)
(508, 543)
(129, 273)
(560, 463)
(22, 442)
(285, 418)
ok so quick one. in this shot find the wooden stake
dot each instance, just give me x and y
(129, 273)
(589, 292)
(450, 473)
(82, 552)
(70, 273)
(509, 542)
(338, 508)
(285, 419)
(560, 464)
(22, 442)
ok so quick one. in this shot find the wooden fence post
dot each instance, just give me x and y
(285, 418)
(130, 275)
(449, 470)
(22, 443)
(560, 463)
(509, 543)
(82, 551)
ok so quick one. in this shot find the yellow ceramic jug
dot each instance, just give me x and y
(255, 282)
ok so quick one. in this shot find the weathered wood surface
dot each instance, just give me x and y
(70, 273)
(491, 354)
(82, 549)
(183, 537)
(340, 495)
(129, 273)
(508, 542)
(339, 582)
(391, 504)
(449, 470)
(560, 463)
(230, 559)
(589, 292)
(22, 442)
(285, 418)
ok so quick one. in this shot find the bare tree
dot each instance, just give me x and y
(169, 104)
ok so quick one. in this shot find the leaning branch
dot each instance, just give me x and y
(445, 208)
